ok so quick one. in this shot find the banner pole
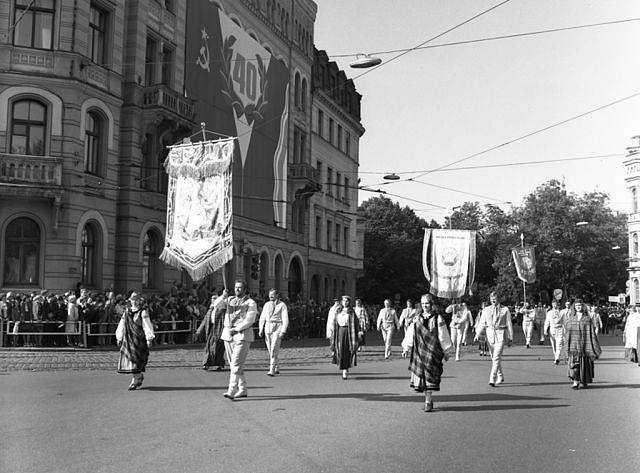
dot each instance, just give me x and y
(524, 284)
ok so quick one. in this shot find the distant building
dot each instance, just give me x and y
(91, 95)
(632, 177)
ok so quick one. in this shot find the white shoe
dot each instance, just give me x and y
(230, 394)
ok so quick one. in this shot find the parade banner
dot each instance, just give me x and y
(449, 261)
(525, 260)
(241, 90)
(199, 207)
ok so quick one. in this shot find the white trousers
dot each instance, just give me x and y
(457, 337)
(557, 342)
(527, 329)
(273, 346)
(496, 362)
(237, 355)
(387, 336)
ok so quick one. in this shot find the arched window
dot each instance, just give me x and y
(22, 253)
(296, 90)
(343, 287)
(88, 261)
(93, 143)
(634, 200)
(326, 289)
(151, 268)
(303, 95)
(28, 127)
(635, 244)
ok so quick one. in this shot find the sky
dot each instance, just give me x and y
(454, 106)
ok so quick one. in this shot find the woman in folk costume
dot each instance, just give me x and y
(212, 325)
(344, 333)
(363, 319)
(134, 335)
(426, 341)
(582, 345)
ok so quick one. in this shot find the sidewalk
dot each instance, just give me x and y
(293, 352)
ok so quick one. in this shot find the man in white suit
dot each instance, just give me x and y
(274, 321)
(554, 325)
(237, 333)
(387, 323)
(495, 322)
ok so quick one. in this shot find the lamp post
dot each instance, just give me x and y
(365, 61)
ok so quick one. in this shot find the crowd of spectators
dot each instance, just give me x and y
(42, 319)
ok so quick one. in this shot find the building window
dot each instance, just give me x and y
(303, 95)
(88, 263)
(150, 56)
(636, 290)
(331, 125)
(97, 35)
(338, 186)
(346, 190)
(28, 127)
(345, 241)
(297, 217)
(340, 137)
(635, 244)
(22, 253)
(167, 66)
(634, 200)
(93, 143)
(34, 23)
(150, 263)
(296, 90)
(337, 237)
(320, 123)
(329, 181)
(318, 231)
(347, 143)
(329, 235)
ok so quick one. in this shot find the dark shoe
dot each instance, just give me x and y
(219, 368)
(139, 383)
(557, 362)
(493, 385)
(428, 406)
(584, 385)
(411, 385)
(528, 346)
(205, 367)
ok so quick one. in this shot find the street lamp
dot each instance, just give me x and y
(391, 177)
(365, 62)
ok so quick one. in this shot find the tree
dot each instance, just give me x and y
(392, 251)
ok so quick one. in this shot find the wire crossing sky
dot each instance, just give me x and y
(560, 83)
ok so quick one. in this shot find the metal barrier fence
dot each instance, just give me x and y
(33, 332)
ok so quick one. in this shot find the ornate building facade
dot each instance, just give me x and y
(632, 177)
(91, 95)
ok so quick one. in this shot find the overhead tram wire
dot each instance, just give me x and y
(493, 38)
(519, 138)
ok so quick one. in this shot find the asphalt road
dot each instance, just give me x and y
(309, 420)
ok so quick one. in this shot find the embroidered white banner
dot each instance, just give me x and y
(449, 261)
(199, 207)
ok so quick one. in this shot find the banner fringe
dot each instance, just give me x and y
(202, 269)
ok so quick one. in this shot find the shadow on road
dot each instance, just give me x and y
(499, 407)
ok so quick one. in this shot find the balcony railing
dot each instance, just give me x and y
(30, 169)
(304, 171)
(161, 96)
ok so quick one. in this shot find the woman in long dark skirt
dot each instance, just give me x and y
(345, 337)
(583, 346)
(134, 335)
(212, 325)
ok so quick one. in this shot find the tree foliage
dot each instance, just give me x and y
(579, 259)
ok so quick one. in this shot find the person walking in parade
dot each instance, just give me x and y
(483, 345)
(240, 314)
(274, 321)
(211, 325)
(495, 322)
(134, 336)
(528, 321)
(554, 326)
(363, 320)
(460, 320)
(426, 343)
(541, 315)
(407, 315)
(387, 323)
(583, 347)
(344, 333)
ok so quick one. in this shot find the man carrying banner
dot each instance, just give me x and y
(240, 314)
(528, 319)
(495, 322)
